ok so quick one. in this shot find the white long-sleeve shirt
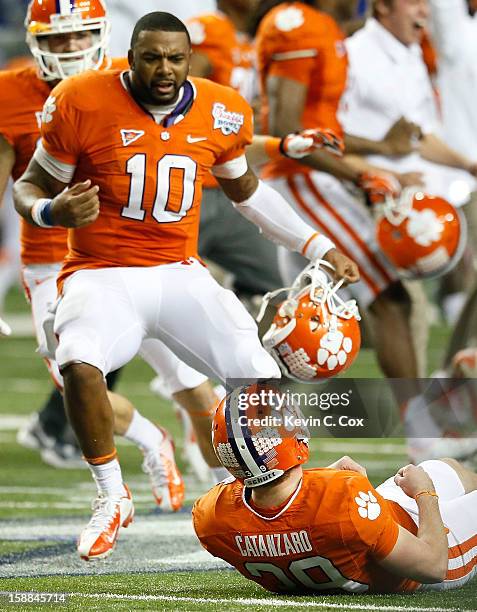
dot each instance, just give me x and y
(388, 80)
(455, 35)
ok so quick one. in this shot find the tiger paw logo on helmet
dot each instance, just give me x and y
(334, 349)
(289, 19)
(422, 235)
(315, 334)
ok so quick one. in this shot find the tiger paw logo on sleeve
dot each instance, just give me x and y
(368, 506)
(48, 109)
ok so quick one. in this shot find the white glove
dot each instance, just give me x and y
(303, 143)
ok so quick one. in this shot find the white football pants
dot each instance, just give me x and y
(40, 287)
(104, 316)
(459, 514)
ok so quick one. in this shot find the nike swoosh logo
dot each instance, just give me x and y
(192, 139)
(112, 537)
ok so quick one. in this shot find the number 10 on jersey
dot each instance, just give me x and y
(175, 188)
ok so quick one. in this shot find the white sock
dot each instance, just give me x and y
(108, 477)
(219, 474)
(143, 433)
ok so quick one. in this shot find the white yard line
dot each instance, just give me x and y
(11, 422)
(266, 602)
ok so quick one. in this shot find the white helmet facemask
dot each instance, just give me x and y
(323, 290)
(58, 66)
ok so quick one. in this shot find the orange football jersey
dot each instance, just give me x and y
(296, 41)
(326, 538)
(230, 53)
(149, 175)
(22, 95)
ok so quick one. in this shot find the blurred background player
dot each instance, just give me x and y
(368, 110)
(328, 530)
(303, 71)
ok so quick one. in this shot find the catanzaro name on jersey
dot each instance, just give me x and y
(274, 544)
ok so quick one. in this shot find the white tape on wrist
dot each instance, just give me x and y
(37, 212)
(318, 246)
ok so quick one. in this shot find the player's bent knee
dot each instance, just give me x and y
(253, 361)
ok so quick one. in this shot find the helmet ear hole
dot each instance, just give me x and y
(315, 323)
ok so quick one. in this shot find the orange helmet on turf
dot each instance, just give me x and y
(257, 436)
(315, 334)
(52, 17)
(422, 235)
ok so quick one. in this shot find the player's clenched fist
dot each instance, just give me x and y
(413, 479)
(76, 206)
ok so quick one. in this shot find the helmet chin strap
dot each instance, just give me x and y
(323, 290)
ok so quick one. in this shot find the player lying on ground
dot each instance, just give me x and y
(328, 529)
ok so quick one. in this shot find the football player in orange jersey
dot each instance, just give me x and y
(60, 52)
(64, 43)
(328, 530)
(121, 162)
(303, 68)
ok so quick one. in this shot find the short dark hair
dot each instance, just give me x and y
(165, 22)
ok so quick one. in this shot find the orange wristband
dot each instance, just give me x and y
(272, 147)
(431, 493)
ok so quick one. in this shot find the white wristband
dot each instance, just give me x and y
(36, 212)
(317, 247)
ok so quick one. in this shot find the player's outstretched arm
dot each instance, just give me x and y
(267, 209)
(45, 201)
(297, 145)
(423, 558)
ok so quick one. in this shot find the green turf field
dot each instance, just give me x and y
(158, 563)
